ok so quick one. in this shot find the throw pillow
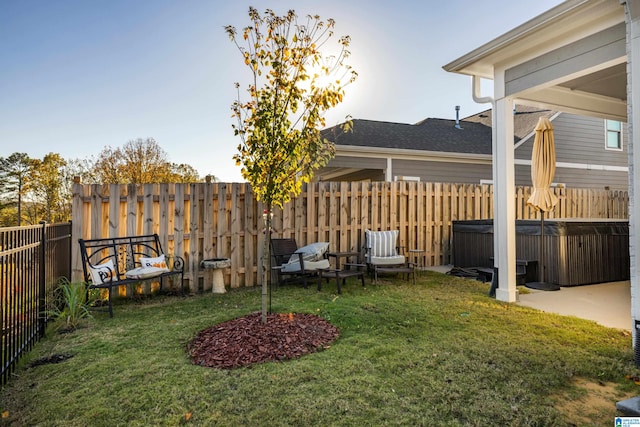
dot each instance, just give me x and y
(382, 243)
(312, 252)
(159, 262)
(108, 271)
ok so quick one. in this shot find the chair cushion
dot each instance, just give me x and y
(311, 252)
(387, 260)
(382, 243)
(292, 267)
(312, 255)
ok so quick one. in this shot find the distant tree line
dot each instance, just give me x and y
(34, 190)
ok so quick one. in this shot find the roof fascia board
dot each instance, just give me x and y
(407, 154)
(580, 166)
(594, 52)
(565, 23)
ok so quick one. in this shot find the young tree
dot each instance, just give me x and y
(47, 187)
(14, 179)
(293, 84)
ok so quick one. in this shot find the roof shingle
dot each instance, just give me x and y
(440, 135)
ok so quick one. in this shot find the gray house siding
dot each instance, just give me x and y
(573, 178)
(429, 171)
(444, 153)
(356, 168)
(375, 169)
(580, 139)
(359, 162)
(581, 156)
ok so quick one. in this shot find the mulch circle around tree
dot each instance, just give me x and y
(246, 340)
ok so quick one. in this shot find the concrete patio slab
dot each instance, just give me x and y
(608, 304)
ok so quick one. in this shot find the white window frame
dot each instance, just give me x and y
(606, 135)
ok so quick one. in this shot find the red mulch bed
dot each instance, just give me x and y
(247, 341)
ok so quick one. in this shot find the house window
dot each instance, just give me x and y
(614, 135)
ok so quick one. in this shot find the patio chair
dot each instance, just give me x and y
(382, 254)
(290, 263)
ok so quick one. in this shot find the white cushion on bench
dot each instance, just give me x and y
(145, 272)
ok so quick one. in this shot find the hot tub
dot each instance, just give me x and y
(577, 251)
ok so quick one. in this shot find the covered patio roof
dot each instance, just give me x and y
(577, 57)
(571, 58)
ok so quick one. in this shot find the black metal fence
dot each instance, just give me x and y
(32, 261)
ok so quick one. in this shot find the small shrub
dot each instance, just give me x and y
(69, 305)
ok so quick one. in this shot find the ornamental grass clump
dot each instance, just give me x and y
(69, 305)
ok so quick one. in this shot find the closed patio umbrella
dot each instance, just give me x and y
(543, 169)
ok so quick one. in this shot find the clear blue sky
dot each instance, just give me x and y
(79, 75)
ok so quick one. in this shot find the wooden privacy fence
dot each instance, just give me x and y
(221, 220)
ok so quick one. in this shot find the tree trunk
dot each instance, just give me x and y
(266, 263)
(19, 201)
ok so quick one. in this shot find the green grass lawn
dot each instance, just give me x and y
(439, 353)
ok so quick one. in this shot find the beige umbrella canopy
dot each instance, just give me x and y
(543, 169)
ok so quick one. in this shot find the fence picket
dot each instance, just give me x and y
(354, 209)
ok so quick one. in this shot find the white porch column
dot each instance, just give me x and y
(504, 212)
(633, 112)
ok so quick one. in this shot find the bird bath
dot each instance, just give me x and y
(216, 265)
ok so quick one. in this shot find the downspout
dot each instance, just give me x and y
(476, 95)
(476, 92)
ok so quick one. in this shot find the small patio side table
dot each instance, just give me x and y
(341, 271)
